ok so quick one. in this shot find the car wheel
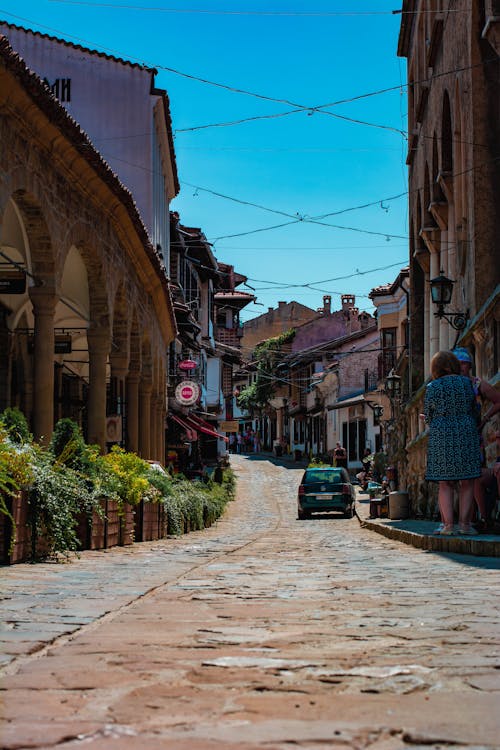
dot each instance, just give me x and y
(303, 514)
(349, 512)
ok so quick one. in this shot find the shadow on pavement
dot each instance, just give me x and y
(287, 462)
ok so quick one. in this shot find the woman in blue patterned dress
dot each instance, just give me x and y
(453, 453)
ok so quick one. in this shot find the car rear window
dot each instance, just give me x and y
(326, 475)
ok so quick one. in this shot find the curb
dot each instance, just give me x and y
(457, 545)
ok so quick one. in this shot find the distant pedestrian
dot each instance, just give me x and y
(453, 453)
(340, 456)
(256, 442)
(232, 442)
(239, 442)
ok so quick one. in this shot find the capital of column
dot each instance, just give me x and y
(98, 340)
(119, 368)
(43, 299)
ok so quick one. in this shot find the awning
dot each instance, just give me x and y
(199, 424)
(190, 430)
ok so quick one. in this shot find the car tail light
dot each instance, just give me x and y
(301, 489)
(345, 489)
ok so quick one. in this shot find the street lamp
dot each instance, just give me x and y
(441, 293)
(377, 410)
(393, 385)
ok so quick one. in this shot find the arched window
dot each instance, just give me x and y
(446, 137)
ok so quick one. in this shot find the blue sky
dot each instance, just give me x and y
(306, 164)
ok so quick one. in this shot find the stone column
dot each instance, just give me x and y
(145, 388)
(119, 370)
(132, 386)
(153, 438)
(44, 303)
(158, 428)
(99, 345)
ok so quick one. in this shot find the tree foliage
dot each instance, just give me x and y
(267, 356)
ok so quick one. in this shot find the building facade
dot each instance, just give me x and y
(85, 332)
(126, 117)
(454, 194)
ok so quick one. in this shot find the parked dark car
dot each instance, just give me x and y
(325, 489)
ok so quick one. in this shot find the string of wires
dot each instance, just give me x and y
(221, 12)
(233, 89)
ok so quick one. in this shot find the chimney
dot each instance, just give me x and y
(348, 301)
(281, 304)
(327, 304)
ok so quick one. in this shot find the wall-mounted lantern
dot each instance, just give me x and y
(441, 293)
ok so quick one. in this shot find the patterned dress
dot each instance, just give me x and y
(451, 413)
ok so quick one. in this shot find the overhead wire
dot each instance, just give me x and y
(221, 12)
(233, 89)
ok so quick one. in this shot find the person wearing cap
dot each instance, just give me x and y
(483, 391)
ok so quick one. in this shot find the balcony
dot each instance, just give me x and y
(386, 362)
(228, 336)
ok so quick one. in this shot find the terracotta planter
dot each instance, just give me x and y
(112, 524)
(23, 547)
(127, 525)
(150, 522)
(96, 532)
(21, 552)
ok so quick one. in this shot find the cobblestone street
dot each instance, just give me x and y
(260, 632)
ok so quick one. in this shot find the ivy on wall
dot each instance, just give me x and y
(267, 356)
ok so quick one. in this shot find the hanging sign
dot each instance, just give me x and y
(12, 282)
(187, 393)
(62, 343)
(187, 364)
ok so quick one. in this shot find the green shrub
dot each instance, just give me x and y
(57, 495)
(67, 444)
(131, 475)
(193, 505)
(16, 425)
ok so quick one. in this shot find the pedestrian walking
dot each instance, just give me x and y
(340, 455)
(453, 453)
(239, 442)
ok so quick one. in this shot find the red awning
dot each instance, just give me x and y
(185, 425)
(199, 424)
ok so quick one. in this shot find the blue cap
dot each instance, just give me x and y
(462, 354)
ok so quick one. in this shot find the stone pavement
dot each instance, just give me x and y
(417, 532)
(421, 533)
(261, 633)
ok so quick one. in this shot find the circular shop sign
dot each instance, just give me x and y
(187, 392)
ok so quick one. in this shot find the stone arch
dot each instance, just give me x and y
(39, 243)
(135, 342)
(437, 192)
(99, 296)
(121, 321)
(71, 320)
(427, 218)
